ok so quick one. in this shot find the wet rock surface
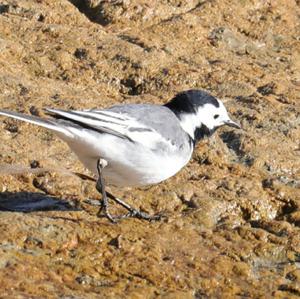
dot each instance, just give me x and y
(233, 214)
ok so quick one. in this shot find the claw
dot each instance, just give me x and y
(106, 213)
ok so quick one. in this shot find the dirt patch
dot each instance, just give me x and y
(233, 212)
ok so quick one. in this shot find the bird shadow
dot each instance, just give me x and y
(33, 202)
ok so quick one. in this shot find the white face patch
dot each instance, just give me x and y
(212, 116)
(209, 115)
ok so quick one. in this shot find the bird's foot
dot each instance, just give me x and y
(140, 215)
(133, 213)
(103, 211)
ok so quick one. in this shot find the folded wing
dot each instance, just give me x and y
(104, 121)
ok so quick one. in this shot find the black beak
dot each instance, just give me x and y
(233, 124)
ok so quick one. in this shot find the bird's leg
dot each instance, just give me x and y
(132, 212)
(100, 186)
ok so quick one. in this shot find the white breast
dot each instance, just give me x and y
(129, 164)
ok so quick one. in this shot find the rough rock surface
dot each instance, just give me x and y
(233, 213)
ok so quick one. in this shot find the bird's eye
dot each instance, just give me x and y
(216, 116)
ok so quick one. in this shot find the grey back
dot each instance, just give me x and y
(159, 118)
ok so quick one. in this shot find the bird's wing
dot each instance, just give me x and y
(106, 121)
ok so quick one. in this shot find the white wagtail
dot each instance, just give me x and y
(135, 144)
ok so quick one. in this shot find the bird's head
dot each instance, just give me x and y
(200, 114)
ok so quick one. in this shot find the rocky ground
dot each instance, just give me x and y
(233, 213)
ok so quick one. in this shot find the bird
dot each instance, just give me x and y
(134, 145)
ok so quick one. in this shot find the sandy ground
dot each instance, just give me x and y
(233, 213)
